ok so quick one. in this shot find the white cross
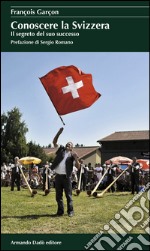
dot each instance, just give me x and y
(72, 87)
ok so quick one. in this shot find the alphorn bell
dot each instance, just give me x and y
(33, 192)
(78, 190)
(89, 192)
(46, 188)
(100, 195)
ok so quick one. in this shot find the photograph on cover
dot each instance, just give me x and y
(92, 108)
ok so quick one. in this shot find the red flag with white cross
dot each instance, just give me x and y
(69, 89)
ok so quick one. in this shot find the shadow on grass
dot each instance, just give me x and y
(31, 217)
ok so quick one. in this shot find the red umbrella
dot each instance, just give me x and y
(119, 160)
(144, 164)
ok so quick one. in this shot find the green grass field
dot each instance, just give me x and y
(22, 213)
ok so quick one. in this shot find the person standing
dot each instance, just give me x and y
(111, 174)
(134, 171)
(46, 173)
(84, 174)
(98, 172)
(74, 177)
(63, 164)
(15, 174)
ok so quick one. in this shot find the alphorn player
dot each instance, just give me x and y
(111, 174)
(134, 171)
(84, 175)
(15, 174)
(46, 171)
(63, 165)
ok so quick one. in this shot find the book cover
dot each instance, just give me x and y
(101, 49)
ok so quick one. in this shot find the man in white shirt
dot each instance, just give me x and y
(15, 174)
(63, 164)
(46, 173)
(84, 174)
(98, 171)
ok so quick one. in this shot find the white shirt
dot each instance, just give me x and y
(2, 175)
(4, 168)
(98, 173)
(82, 168)
(74, 173)
(61, 168)
(110, 170)
(136, 167)
(17, 167)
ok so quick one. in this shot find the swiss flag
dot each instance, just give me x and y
(69, 89)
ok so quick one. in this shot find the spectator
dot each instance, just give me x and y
(15, 174)
(98, 172)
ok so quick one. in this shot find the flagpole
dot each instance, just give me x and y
(61, 119)
(58, 113)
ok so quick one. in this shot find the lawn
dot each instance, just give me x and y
(21, 213)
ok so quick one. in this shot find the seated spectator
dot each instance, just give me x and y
(7, 178)
(34, 181)
(4, 167)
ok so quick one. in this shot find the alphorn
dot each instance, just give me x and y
(100, 195)
(89, 192)
(33, 192)
(78, 190)
(46, 188)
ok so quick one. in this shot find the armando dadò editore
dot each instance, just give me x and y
(35, 242)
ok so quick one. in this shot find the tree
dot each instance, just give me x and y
(79, 145)
(37, 151)
(13, 140)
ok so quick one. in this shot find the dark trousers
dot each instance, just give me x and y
(83, 181)
(63, 183)
(110, 179)
(15, 178)
(134, 183)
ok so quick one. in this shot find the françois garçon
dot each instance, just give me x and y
(31, 12)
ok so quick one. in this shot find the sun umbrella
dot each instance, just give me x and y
(144, 164)
(29, 160)
(119, 160)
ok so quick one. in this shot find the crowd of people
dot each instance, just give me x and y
(68, 172)
(36, 177)
(132, 180)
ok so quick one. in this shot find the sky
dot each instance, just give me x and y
(121, 78)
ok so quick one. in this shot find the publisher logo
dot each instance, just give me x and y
(121, 226)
